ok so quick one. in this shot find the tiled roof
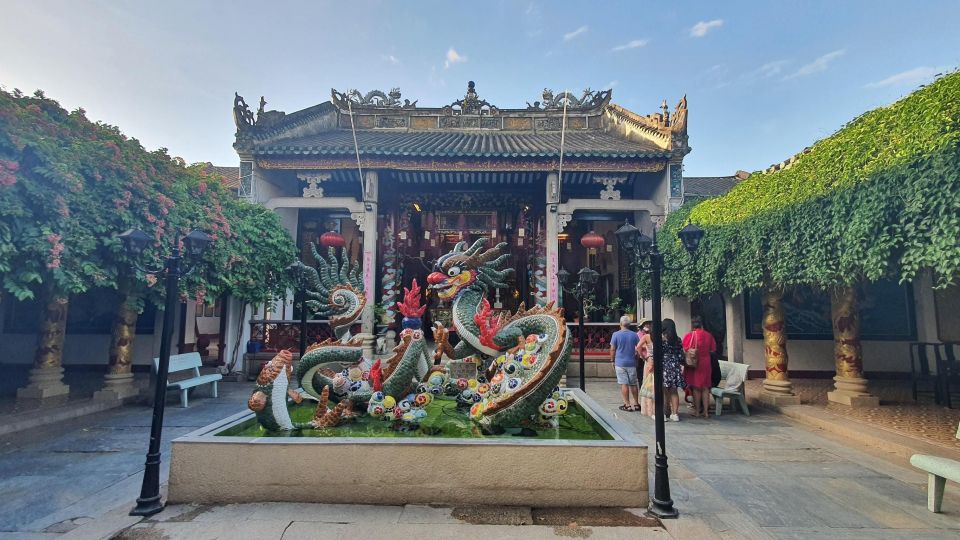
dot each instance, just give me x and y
(231, 175)
(708, 186)
(454, 144)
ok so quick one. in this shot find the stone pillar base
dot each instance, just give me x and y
(369, 345)
(116, 387)
(853, 392)
(44, 383)
(778, 392)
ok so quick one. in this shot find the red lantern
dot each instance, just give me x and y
(592, 240)
(332, 239)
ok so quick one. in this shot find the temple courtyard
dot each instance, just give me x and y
(761, 476)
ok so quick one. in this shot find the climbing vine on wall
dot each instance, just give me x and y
(881, 197)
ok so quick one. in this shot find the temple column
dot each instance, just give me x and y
(46, 377)
(553, 229)
(733, 313)
(850, 388)
(118, 382)
(368, 226)
(777, 388)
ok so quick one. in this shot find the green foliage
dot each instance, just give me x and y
(879, 198)
(68, 186)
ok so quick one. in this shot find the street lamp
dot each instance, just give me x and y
(298, 271)
(642, 252)
(587, 279)
(135, 242)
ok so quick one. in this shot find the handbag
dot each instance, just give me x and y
(691, 359)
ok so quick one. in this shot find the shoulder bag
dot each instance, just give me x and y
(691, 359)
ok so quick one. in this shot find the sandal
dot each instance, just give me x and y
(625, 408)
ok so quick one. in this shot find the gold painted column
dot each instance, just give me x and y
(850, 388)
(777, 388)
(118, 381)
(46, 377)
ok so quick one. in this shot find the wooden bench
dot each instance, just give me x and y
(939, 470)
(182, 363)
(733, 372)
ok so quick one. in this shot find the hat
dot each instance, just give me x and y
(644, 321)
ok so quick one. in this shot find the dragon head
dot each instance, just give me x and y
(463, 267)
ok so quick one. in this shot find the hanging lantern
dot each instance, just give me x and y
(332, 239)
(592, 240)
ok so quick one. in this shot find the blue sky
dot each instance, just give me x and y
(763, 79)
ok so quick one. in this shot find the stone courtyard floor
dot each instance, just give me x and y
(898, 414)
(758, 476)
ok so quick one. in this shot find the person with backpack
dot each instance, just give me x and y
(698, 347)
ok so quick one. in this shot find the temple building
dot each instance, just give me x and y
(399, 184)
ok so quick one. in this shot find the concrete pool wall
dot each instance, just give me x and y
(394, 471)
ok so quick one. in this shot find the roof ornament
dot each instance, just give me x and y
(242, 116)
(471, 104)
(373, 98)
(588, 100)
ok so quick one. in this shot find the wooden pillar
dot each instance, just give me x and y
(850, 388)
(777, 388)
(46, 377)
(118, 381)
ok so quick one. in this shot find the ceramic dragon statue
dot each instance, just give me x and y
(335, 370)
(516, 392)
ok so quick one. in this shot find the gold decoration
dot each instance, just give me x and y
(124, 331)
(845, 316)
(774, 334)
(53, 330)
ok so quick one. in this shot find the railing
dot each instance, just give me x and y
(275, 335)
(597, 337)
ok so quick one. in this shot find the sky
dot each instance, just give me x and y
(763, 79)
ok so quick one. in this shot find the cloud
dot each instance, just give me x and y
(453, 57)
(911, 77)
(770, 69)
(634, 44)
(392, 59)
(818, 65)
(576, 33)
(701, 28)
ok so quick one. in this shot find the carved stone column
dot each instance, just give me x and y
(850, 388)
(118, 381)
(777, 388)
(46, 377)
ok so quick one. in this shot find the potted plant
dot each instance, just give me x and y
(380, 314)
(614, 309)
(631, 312)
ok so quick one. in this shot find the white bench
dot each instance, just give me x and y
(939, 470)
(732, 379)
(183, 363)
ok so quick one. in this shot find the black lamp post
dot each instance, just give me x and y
(587, 280)
(641, 251)
(135, 242)
(298, 272)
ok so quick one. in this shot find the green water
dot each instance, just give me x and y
(443, 421)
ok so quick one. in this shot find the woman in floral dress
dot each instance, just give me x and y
(672, 367)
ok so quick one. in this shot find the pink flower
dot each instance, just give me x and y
(56, 250)
(151, 280)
